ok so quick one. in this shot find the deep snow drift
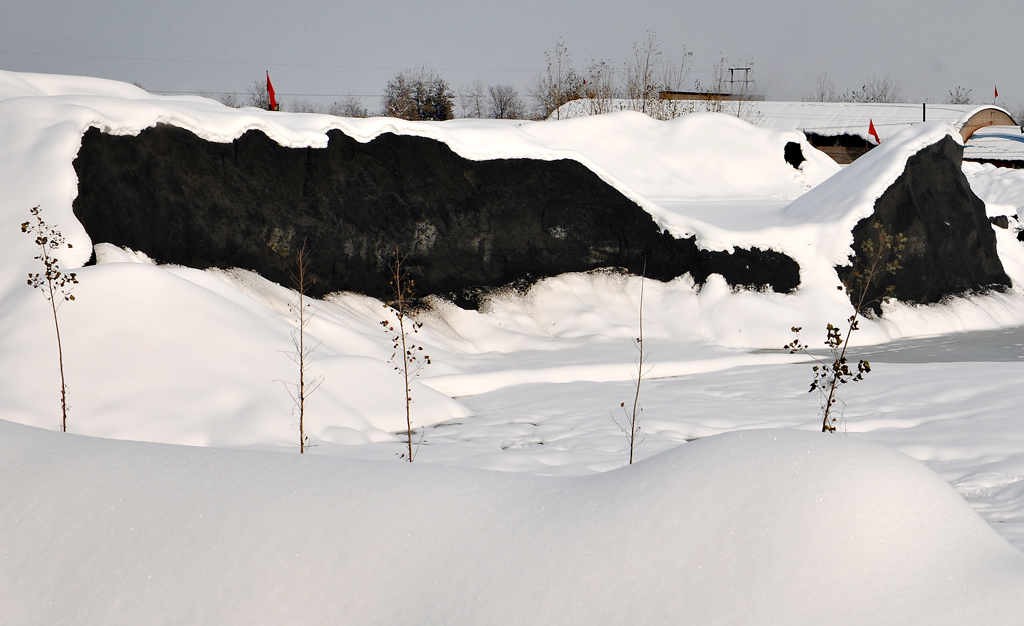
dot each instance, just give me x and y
(170, 535)
(529, 384)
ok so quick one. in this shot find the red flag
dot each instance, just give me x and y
(872, 131)
(270, 92)
(997, 92)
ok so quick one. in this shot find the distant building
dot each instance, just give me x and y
(840, 129)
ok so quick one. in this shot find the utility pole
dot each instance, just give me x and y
(746, 78)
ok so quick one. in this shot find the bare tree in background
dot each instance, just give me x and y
(642, 73)
(716, 88)
(959, 95)
(599, 87)
(305, 106)
(823, 90)
(351, 106)
(675, 75)
(258, 96)
(473, 99)
(505, 103)
(559, 84)
(1017, 113)
(879, 89)
(227, 99)
(674, 78)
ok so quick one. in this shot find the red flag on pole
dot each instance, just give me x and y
(872, 131)
(270, 92)
(997, 91)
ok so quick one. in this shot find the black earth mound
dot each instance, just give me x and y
(951, 247)
(466, 226)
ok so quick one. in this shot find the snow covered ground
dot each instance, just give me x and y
(732, 516)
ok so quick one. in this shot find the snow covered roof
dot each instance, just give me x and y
(824, 118)
(854, 118)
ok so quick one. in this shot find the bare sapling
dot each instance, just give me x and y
(835, 370)
(631, 423)
(55, 285)
(302, 356)
(408, 357)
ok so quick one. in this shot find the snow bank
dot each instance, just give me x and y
(1001, 188)
(747, 528)
(177, 355)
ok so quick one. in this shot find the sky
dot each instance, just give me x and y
(323, 51)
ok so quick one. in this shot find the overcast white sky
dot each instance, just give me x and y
(322, 51)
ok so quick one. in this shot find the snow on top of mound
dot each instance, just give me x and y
(701, 156)
(20, 85)
(752, 527)
(664, 166)
(711, 157)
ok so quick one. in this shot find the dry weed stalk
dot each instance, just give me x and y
(55, 285)
(411, 361)
(631, 425)
(830, 374)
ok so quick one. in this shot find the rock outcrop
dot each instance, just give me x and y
(466, 226)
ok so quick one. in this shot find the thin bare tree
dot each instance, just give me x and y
(505, 103)
(302, 356)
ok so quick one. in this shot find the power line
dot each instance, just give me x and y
(201, 92)
(253, 63)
